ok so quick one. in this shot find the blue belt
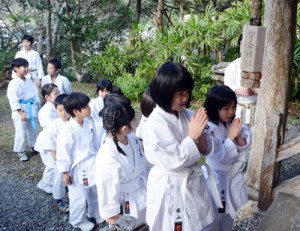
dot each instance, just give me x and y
(29, 110)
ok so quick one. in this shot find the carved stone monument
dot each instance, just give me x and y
(252, 55)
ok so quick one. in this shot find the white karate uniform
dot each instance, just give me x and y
(232, 79)
(139, 130)
(121, 179)
(76, 151)
(46, 115)
(227, 162)
(62, 82)
(139, 134)
(176, 192)
(34, 60)
(58, 189)
(96, 106)
(17, 90)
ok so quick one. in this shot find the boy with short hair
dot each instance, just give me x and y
(24, 103)
(62, 82)
(35, 64)
(77, 146)
(52, 131)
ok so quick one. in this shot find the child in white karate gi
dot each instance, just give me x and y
(35, 68)
(104, 87)
(46, 115)
(77, 146)
(227, 161)
(120, 167)
(147, 105)
(24, 103)
(174, 141)
(52, 131)
(62, 82)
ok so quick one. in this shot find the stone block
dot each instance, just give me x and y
(127, 223)
(253, 48)
(249, 83)
(283, 215)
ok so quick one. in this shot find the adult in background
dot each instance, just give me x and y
(246, 97)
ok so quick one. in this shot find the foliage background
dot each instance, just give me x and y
(107, 41)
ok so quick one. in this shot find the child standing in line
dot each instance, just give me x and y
(147, 105)
(52, 131)
(120, 167)
(24, 103)
(77, 146)
(174, 141)
(104, 87)
(46, 115)
(62, 82)
(35, 64)
(227, 161)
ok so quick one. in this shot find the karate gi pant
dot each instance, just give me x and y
(59, 188)
(22, 129)
(83, 203)
(46, 183)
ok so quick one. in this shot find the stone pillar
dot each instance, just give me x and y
(252, 55)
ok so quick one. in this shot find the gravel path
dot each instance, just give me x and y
(24, 207)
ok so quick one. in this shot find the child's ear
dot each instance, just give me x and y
(47, 97)
(76, 111)
(123, 129)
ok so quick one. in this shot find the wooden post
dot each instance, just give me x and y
(269, 165)
(280, 21)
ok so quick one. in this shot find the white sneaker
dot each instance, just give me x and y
(23, 156)
(86, 226)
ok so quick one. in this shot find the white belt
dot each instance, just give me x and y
(180, 188)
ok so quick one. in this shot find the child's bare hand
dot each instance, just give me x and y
(197, 124)
(235, 129)
(23, 116)
(67, 178)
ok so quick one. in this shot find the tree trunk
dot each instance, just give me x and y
(180, 3)
(160, 14)
(138, 9)
(49, 34)
(256, 12)
(280, 21)
(55, 37)
(72, 45)
(39, 48)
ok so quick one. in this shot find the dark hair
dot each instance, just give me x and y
(240, 39)
(111, 99)
(46, 90)
(27, 37)
(60, 99)
(115, 89)
(55, 62)
(147, 104)
(104, 83)
(218, 96)
(116, 116)
(75, 101)
(19, 62)
(170, 78)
